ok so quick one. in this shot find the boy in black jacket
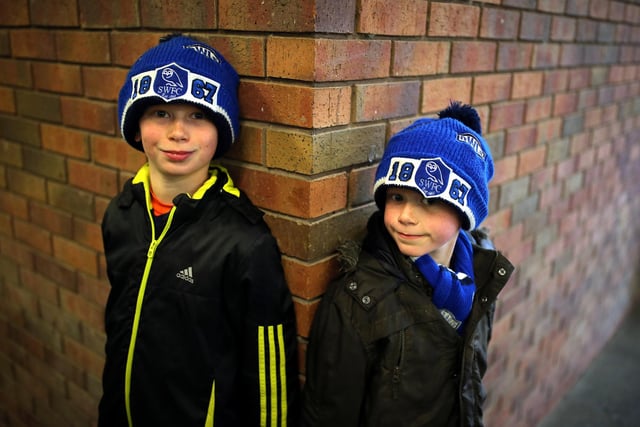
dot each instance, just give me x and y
(401, 339)
(199, 321)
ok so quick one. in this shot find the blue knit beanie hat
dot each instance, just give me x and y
(181, 69)
(444, 158)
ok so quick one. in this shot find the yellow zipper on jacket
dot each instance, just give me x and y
(136, 317)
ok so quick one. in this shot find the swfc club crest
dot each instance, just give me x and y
(171, 81)
(432, 177)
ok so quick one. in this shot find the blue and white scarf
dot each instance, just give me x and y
(453, 288)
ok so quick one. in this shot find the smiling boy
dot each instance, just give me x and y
(199, 321)
(401, 338)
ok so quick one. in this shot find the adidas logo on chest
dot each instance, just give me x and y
(186, 274)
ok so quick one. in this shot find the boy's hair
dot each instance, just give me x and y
(444, 158)
(181, 69)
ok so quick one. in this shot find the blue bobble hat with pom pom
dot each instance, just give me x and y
(181, 69)
(444, 158)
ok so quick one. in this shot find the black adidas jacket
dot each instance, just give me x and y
(381, 354)
(199, 321)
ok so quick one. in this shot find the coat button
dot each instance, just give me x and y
(366, 300)
(352, 286)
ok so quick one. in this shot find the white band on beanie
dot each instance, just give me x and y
(433, 178)
(172, 82)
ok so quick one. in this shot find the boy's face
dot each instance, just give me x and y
(421, 226)
(179, 140)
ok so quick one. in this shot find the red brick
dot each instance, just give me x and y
(490, 88)
(250, 146)
(39, 286)
(293, 196)
(93, 178)
(538, 108)
(103, 83)
(18, 252)
(506, 115)
(87, 233)
(513, 56)
(545, 56)
(245, 53)
(361, 185)
(386, 100)
(79, 355)
(295, 17)
(535, 26)
(83, 47)
(497, 222)
(58, 13)
(453, 20)
(26, 184)
(527, 85)
(327, 59)
(115, 152)
(33, 236)
(126, 47)
(33, 43)
(55, 77)
(50, 219)
(93, 289)
(200, 14)
(304, 316)
(549, 130)
(473, 56)
(438, 93)
(90, 115)
(400, 18)
(7, 100)
(109, 13)
(65, 141)
(505, 169)
(11, 153)
(75, 255)
(531, 160)
(499, 24)
(565, 104)
(520, 138)
(15, 13)
(14, 204)
(295, 105)
(420, 58)
(563, 28)
(309, 280)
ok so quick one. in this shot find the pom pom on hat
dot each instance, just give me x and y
(444, 158)
(181, 69)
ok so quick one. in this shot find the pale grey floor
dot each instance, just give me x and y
(608, 394)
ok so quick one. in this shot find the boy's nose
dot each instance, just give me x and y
(406, 214)
(178, 131)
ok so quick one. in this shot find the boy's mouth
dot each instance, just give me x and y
(177, 156)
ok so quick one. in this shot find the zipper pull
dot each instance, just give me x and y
(152, 248)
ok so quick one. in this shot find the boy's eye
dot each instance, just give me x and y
(394, 197)
(160, 113)
(429, 202)
(198, 115)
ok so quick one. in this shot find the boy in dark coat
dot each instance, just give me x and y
(401, 338)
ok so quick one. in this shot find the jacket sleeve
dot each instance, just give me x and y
(270, 343)
(336, 366)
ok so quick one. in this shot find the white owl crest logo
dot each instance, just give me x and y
(432, 177)
(171, 81)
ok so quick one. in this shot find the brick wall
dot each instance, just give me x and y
(324, 83)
